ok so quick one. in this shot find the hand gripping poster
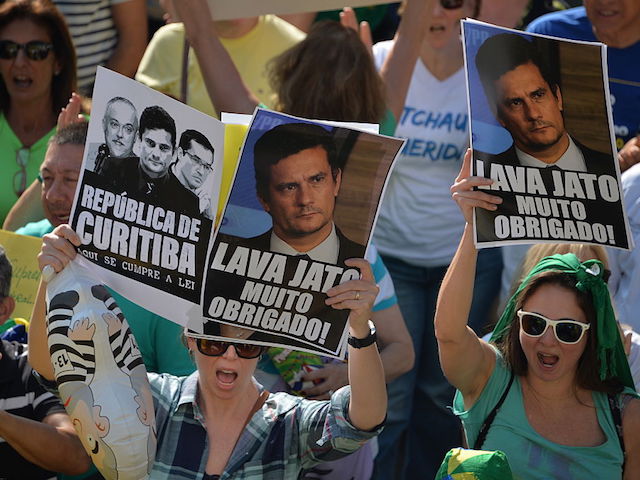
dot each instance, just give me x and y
(304, 199)
(148, 195)
(542, 131)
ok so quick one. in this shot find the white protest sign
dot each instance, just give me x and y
(226, 10)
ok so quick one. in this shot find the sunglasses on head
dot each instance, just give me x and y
(216, 348)
(34, 50)
(451, 4)
(566, 330)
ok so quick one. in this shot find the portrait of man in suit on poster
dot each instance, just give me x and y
(523, 92)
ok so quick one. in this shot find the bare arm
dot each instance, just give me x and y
(368, 404)
(225, 86)
(130, 20)
(27, 209)
(466, 360)
(396, 346)
(302, 21)
(631, 436)
(52, 444)
(399, 64)
(396, 353)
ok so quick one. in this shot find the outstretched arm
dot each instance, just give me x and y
(466, 361)
(225, 86)
(130, 20)
(28, 208)
(399, 64)
(52, 444)
(368, 404)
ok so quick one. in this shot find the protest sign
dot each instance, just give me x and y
(304, 199)
(542, 130)
(22, 252)
(147, 195)
(225, 10)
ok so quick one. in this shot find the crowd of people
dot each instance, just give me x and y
(528, 351)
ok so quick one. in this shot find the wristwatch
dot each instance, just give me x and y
(366, 341)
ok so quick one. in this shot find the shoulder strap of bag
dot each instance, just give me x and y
(617, 419)
(484, 429)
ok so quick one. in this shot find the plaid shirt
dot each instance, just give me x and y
(288, 434)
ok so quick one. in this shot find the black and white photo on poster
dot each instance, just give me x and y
(304, 199)
(148, 194)
(542, 130)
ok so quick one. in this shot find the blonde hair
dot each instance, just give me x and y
(538, 251)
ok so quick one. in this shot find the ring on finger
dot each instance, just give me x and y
(357, 297)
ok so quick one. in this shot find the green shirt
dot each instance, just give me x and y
(530, 455)
(9, 147)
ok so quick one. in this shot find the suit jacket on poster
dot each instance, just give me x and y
(348, 248)
(597, 162)
(123, 175)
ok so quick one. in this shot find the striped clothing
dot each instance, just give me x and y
(73, 360)
(287, 434)
(94, 35)
(20, 394)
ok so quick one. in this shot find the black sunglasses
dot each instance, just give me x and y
(216, 348)
(34, 50)
(451, 4)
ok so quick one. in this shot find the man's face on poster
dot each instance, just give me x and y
(196, 164)
(529, 109)
(156, 152)
(120, 127)
(302, 194)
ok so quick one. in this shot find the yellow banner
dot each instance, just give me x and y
(233, 139)
(226, 10)
(21, 251)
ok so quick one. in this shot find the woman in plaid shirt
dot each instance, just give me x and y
(220, 423)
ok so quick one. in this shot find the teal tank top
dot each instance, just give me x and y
(531, 456)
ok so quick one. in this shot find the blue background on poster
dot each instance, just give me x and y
(488, 135)
(244, 216)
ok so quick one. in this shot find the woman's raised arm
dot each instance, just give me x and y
(368, 405)
(466, 360)
(224, 84)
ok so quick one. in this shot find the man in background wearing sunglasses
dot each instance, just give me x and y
(193, 167)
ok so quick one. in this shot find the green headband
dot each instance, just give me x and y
(589, 276)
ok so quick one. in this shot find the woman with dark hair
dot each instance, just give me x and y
(37, 76)
(553, 388)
